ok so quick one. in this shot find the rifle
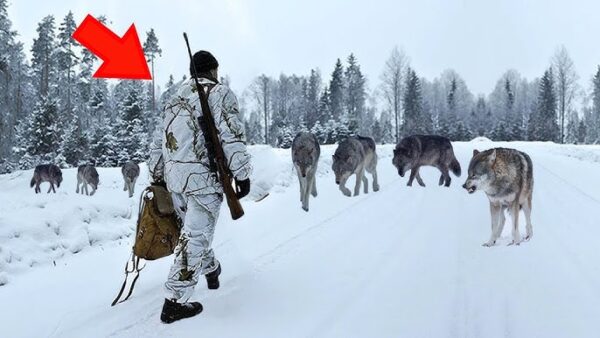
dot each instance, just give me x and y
(214, 148)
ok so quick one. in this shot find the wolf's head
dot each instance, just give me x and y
(342, 166)
(403, 160)
(304, 159)
(481, 172)
(56, 174)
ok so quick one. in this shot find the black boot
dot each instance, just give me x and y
(212, 279)
(173, 311)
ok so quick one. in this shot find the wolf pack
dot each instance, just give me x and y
(87, 175)
(504, 175)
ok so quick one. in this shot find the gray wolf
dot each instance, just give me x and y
(355, 155)
(506, 176)
(130, 171)
(87, 174)
(305, 156)
(46, 173)
(413, 152)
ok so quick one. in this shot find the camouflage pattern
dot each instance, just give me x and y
(178, 153)
(179, 157)
(193, 255)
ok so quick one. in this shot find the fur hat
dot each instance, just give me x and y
(204, 62)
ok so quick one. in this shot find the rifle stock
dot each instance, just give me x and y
(214, 147)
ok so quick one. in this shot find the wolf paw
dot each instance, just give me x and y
(305, 208)
(514, 243)
(488, 244)
(347, 193)
(527, 238)
(376, 187)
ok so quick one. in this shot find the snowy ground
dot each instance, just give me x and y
(402, 262)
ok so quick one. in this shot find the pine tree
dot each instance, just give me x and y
(152, 51)
(312, 98)
(132, 132)
(416, 121)
(75, 144)
(44, 59)
(66, 63)
(336, 91)
(42, 134)
(543, 123)
(355, 95)
(594, 132)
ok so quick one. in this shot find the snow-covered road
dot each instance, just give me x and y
(402, 262)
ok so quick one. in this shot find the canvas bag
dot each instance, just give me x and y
(156, 235)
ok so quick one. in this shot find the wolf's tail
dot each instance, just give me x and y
(455, 166)
(32, 183)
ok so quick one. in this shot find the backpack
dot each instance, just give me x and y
(157, 233)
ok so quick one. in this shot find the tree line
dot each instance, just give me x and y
(53, 110)
(553, 107)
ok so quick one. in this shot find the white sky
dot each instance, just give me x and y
(478, 38)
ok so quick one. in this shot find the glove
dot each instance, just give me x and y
(243, 188)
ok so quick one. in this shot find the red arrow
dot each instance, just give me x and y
(123, 57)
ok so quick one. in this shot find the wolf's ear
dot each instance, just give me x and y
(475, 152)
(492, 157)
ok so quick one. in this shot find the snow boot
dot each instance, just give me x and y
(173, 311)
(212, 279)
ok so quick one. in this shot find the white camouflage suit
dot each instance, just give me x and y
(179, 156)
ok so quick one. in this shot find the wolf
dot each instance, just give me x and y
(305, 156)
(506, 176)
(87, 174)
(130, 171)
(413, 152)
(355, 155)
(46, 173)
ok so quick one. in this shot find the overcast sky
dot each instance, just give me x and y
(480, 39)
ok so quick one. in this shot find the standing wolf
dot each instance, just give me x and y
(305, 155)
(130, 171)
(87, 174)
(415, 151)
(354, 155)
(180, 158)
(46, 173)
(506, 176)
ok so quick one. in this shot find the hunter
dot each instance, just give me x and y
(179, 158)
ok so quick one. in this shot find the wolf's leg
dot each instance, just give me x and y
(495, 211)
(125, 184)
(419, 179)
(515, 220)
(37, 188)
(359, 177)
(365, 182)
(300, 182)
(446, 175)
(413, 173)
(375, 180)
(343, 188)
(78, 182)
(314, 184)
(442, 179)
(50, 189)
(527, 211)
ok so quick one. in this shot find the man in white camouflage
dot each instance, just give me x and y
(179, 158)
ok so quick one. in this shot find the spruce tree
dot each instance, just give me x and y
(43, 62)
(336, 91)
(594, 132)
(355, 95)
(152, 51)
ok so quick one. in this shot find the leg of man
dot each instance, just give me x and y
(193, 255)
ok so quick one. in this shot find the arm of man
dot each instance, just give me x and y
(156, 164)
(233, 139)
